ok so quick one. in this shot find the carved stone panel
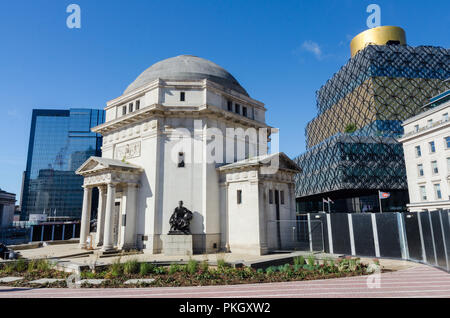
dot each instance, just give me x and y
(128, 151)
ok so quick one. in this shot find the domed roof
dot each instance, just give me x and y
(186, 67)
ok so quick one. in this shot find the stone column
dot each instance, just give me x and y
(109, 215)
(129, 218)
(263, 222)
(100, 215)
(85, 216)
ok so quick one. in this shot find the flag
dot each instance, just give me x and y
(324, 200)
(383, 195)
(330, 201)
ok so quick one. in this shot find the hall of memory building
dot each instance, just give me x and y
(157, 149)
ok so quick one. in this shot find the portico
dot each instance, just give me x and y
(117, 183)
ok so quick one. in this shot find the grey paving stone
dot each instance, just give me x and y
(46, 280)
(138, 281)
(93, 281)
(10, 279)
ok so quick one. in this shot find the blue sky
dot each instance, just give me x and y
(280, 51)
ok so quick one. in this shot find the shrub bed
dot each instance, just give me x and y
(194, 273)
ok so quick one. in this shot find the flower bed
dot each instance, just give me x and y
(191, 274)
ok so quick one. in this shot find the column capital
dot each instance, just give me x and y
(102, 187)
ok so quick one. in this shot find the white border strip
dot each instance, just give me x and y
(310, 233)
(352, 236)
(402, 233)
(375, 235)
(330, 236)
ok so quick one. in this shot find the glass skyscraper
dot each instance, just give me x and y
(60, 141)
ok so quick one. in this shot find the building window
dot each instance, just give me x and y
(445, 117)
(423, 193)
(437, 191)
(230, 105)
(138, 104)
(430, 123)
(237, 108)
(448, 165)
(124, 110)
(239, 196)
(420, 170)
(270, 197)
(418, 151)
(282, 197)
(432, 147)
(416, 128)
(181, 160)
(244, 111)
(130, 107)
(182, 96)
(434, 167)
(447, 142)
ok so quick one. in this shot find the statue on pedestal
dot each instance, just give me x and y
(180, 220)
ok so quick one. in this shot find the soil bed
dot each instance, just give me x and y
(192, 274)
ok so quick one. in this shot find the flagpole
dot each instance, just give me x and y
(379, 200)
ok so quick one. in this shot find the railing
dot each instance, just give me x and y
(419, 236)
(14, 235)
(298, 235)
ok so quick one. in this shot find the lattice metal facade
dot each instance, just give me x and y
(351, 143)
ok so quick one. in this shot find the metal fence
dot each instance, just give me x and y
(422, 237)
(297, 235)
(14, 235)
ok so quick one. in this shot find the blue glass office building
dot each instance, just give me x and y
(60, 141)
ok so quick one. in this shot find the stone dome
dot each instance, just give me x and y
(187, 67)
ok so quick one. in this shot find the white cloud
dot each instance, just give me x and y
(13, 113)
(314, 48)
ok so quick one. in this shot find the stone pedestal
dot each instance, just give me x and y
(180, 245)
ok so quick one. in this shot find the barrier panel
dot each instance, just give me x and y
(68, 231)
(412, 231)
(362, 226)
(422, 237)
(427, 238)
(445, 218)
(438, 239)
(340, 233)
(319, 239)
(388, 235)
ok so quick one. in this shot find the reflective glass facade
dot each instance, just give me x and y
(60, 141)
(352, 149)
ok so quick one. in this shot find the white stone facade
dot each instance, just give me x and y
(156, 125)
(426, 144)
(7, 207)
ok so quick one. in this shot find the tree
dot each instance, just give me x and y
(350, 128)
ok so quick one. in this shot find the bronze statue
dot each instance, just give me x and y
(180, 220)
